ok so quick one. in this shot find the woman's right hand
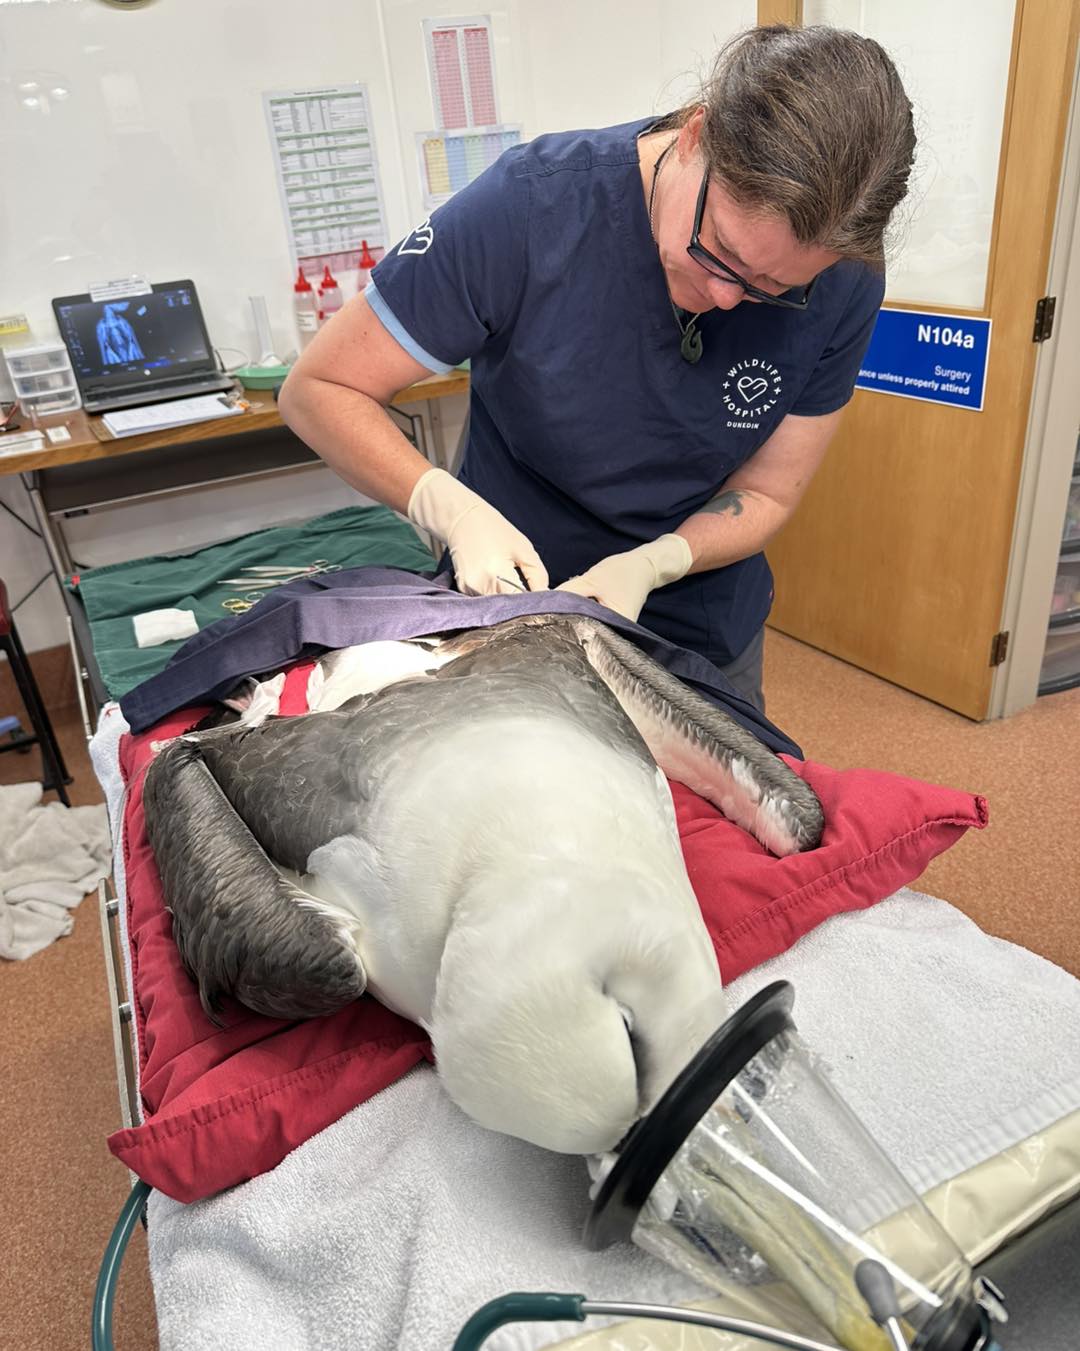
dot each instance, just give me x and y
(487, 551)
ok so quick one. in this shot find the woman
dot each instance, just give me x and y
(665, 320)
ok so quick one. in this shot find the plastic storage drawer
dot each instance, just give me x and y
(1072, 514)
(42, 378)
(1066, 588)
(1061, 660)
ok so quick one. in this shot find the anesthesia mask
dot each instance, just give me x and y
(752, 1169)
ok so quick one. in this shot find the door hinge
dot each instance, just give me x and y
(999, 647)
(1044, 318)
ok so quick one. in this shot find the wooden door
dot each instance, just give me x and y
(897, 557)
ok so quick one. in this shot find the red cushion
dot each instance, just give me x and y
(881, 830)
(223, 1105)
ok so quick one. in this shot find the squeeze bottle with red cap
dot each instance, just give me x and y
(329, 295)
(366, 264)
(306, 307)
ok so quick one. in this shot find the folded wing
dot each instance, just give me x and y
(243, 929)
(696, 744)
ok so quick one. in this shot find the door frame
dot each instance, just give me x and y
(780, 11)
(1023, 515)
(1049, 452)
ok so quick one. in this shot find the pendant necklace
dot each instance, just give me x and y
(690, 348)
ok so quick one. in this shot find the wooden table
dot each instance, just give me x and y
(94, 470)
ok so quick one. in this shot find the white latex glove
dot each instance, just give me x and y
(622, 582)
(486, 550)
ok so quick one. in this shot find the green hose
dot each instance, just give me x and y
(519, 1307)
(526, 1307)
(105, 1292)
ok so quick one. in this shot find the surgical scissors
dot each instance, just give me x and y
(239, 605)
(264, 576)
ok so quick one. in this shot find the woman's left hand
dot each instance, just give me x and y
(622, 582)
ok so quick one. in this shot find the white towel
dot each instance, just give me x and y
(951, 1045)
(50, 857)
(391, 1227)
(105, 757)
(164, 626)
(386, 1230)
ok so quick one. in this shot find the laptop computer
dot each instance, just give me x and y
(141, 349)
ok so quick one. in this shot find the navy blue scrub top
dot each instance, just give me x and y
(587, 428)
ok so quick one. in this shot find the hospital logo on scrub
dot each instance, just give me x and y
(750, 389)
(420, 240)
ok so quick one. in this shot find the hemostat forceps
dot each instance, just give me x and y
(264, 576)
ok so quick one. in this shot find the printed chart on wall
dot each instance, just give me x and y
(324, 147)
(469, 135)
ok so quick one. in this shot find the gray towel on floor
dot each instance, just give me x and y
(50, 857)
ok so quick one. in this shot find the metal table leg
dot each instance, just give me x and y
(52, 537)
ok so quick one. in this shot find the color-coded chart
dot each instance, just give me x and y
(450, 159)
(462, 73)
(328, 176)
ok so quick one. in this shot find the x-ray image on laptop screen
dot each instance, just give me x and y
(134, 336)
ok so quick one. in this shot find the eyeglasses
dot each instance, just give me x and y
(795, 299)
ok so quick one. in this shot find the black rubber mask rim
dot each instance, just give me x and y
(657, 1138)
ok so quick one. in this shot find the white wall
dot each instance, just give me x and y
(561, 64)
(943, 254)
(158, 160)
(155, 159)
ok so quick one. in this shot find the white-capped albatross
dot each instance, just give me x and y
(489, 847)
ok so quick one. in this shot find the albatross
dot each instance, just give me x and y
(479, 833)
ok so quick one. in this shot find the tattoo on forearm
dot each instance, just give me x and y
(725, 502)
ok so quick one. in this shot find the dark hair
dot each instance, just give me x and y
(811, 124)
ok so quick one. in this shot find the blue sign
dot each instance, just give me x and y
(937, 357)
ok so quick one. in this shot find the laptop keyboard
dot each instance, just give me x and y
(159, 395)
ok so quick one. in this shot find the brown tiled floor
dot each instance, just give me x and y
(61, 1189)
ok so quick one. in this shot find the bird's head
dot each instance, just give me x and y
(567, 1003)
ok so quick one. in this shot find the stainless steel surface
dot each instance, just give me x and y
(81, 676)
(121, 1044)
(1039, 1273)
(892, 1327)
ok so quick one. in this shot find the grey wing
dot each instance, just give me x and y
(298, 782)
(241, 927)
(698, 745)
